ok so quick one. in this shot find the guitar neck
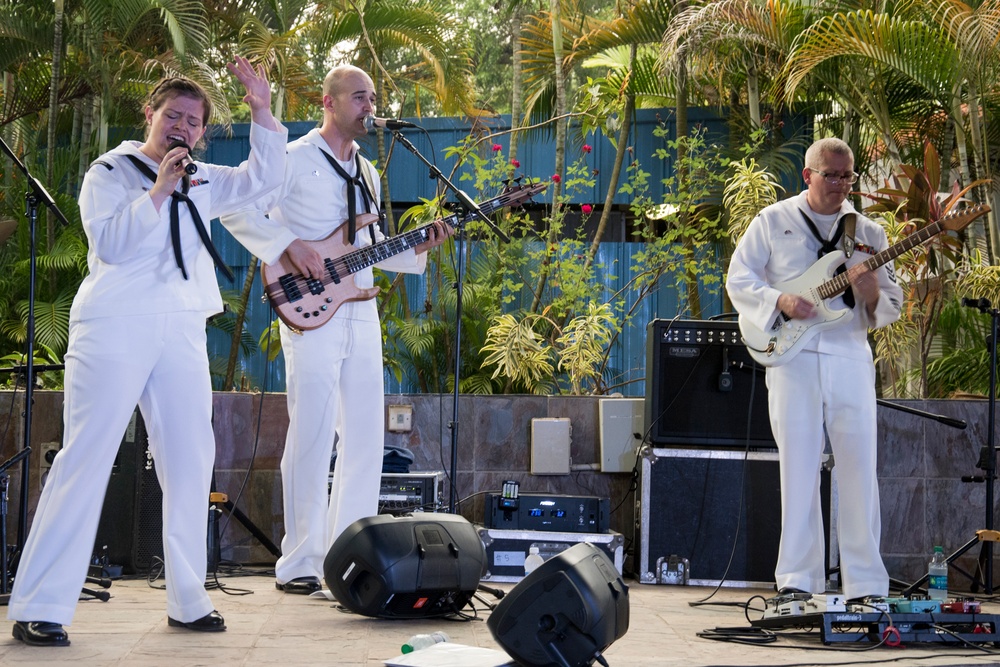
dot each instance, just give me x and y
(840, 282)
(369, 256)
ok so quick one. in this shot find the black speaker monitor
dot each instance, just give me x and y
(406, 567)
(131, 525)
(565, 613)
(703, 388)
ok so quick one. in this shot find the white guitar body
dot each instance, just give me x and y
(786, 337)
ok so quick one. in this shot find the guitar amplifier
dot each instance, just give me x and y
(702, 387)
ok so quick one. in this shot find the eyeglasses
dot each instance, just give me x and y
(837, 179)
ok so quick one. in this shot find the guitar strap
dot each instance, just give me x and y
(352, 201)
(175, 222)
(845, 229)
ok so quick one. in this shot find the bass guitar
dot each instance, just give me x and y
(783, 340)
(309, 303)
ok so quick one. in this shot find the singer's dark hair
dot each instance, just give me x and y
(179, 86)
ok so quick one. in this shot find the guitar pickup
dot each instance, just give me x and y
(315, 286)
(332, 270)
(290, 287)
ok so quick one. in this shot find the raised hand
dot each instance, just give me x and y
(258, 88)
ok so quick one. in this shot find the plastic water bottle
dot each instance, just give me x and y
(937, 576)
(532, 560)
(417, 642)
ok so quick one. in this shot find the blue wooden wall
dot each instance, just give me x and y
(409, 181)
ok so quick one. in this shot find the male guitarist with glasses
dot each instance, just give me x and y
(826, 387)
(333, 371)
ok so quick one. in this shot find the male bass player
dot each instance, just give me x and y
(334, 372)
(828, 387)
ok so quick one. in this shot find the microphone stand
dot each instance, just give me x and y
(987, 461)
(472, 208)
(37, 194)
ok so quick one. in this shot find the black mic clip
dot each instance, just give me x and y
(982, 304)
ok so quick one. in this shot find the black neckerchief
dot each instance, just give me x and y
(831, 246)
(175, 220)
(352, 200)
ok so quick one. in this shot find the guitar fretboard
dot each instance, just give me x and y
(362, 258)
(840, 282)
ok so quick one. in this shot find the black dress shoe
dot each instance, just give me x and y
(40, 633)
(788, 590)
(300, 585)
(208, 623)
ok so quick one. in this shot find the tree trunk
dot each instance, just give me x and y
(50, 149)
(753, 96)
(517, 89)
(236, 342)
(73, 185)
(86, 130)
(683, 218)
(979, 157)
(555, 217)
(381, 96)
(609, 197)
(976, 234)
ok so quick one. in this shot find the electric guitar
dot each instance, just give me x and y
(309, 303)
(786, 336)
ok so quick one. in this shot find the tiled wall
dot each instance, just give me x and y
(921, 462)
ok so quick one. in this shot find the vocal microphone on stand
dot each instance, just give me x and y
(371, 122)
(189, 166)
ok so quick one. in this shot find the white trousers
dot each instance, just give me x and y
(161, 363)
(334, 380)
(808, 392)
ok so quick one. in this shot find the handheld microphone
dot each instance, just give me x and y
(371, 122)
(189, 166)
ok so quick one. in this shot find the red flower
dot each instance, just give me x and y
(587, 209)
(587, 148)
(556, 178)
(515, 162)
(497, 148)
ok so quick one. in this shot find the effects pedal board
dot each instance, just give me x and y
(893, 621)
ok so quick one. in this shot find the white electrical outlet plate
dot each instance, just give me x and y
(400, 418)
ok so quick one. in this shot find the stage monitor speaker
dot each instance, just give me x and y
(565, 613)
(131, 525)
(428, 564)
(703, 388)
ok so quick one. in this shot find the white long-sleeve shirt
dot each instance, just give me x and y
(778, 246)
(133, 270)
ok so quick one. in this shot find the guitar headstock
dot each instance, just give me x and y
(959, 219)
(517, 193)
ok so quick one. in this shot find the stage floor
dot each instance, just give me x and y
(268, 627)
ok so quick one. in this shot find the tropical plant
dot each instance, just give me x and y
(523, 355)
(908, 203)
